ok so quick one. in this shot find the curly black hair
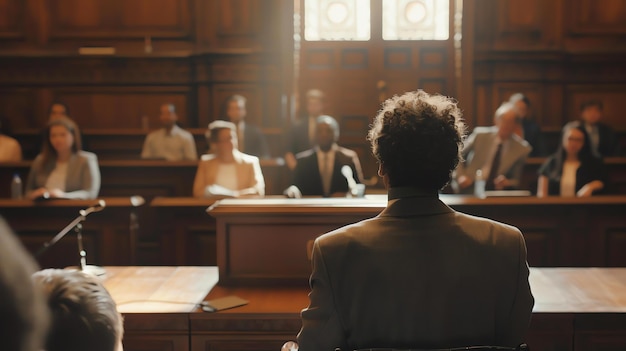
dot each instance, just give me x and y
(417, 138)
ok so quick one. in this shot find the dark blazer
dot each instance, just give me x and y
(534, 137)
(418, 275)
(608, 144)
(254, 142)
(307, 173)
(591, 168)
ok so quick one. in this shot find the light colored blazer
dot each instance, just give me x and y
(476, 153)
(83, 175)
(418, 275)
(249, 174)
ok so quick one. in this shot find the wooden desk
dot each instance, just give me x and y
(186, 233)
(265, 240)
(151, 178)
(575, 309)
(109, 236)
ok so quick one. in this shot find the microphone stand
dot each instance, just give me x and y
(76, 224)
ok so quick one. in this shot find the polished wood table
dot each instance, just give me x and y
(266, 241)
(575, 309)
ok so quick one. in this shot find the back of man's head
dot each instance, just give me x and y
(23, 315)
(84, 316)
(417, 139)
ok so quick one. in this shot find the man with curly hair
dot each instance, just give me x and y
(418, 275)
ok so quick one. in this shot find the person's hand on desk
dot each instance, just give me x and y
(43, 193)
(464, 181)
(217, 190)
(293, 192)
(501, 182)
(588, 189)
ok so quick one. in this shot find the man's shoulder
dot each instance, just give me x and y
(485, 130)
(305, 154)
(87, 155)
(485, 227)
(346, 152)
(182, 132)
(247, 158)
(521, 143)
(207, 157)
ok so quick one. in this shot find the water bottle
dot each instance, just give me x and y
(16, 187)
(479, 185)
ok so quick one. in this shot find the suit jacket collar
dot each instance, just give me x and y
(409, 202)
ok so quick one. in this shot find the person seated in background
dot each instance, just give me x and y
(23, 312)
(63, 169)
(528, 129)
(319, 171)
(84, 315)
(573, 170)
(302, 133)
(602, 139)
(250, 138)
(496, 151)
(170, 142)
(419, 275)
(10, 149)
(58, 109)
(227, 172)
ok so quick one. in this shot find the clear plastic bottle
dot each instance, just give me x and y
(479, 185)
(16, 187)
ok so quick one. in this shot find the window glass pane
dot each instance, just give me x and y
(416, 19)
(336, 20)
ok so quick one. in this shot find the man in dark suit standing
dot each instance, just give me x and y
(419, 275)
(302, 134)
(319, 170)
(251, 138)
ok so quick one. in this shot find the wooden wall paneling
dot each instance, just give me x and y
(236, 24)
(587, 17)
(17, 110)
(12, 20)
(119, 19)
(107, 107)
(518, 24)
(611, 95)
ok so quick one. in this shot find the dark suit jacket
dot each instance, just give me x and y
(534, 137)
(254, 142)
(591, 168)
(307, 173)
(418, 275)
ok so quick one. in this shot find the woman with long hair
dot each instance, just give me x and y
(63, 169)
(572, 170)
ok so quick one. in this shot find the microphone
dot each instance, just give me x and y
(96, 208)
(346, 171)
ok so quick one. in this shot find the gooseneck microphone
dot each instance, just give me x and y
(95, 208)
(346, 171)
(75, 223)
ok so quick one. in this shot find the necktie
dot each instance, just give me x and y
(326, 174)
(595, 141)
(240, 140)
(495, 164)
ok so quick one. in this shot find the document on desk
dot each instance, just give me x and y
(159, 289)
